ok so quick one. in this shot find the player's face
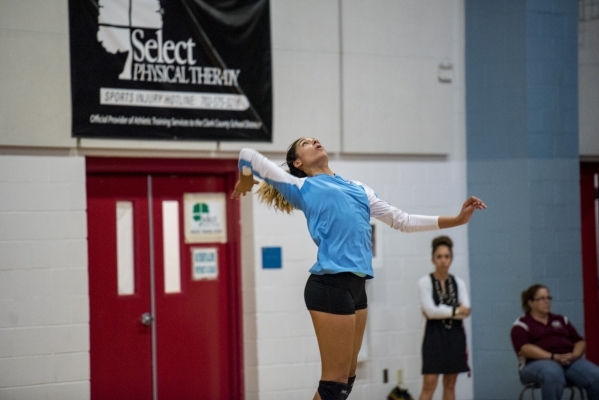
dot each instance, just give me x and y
(541, 303)
(310, 153)
(442, 259)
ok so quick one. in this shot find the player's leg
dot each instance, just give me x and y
(358, 336)
(331, 304)
(335, 335)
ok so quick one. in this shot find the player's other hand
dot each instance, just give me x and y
(243, 185)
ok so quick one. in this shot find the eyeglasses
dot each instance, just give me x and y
(548, 298)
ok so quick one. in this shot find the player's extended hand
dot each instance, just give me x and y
(243, 185)
(471, 204)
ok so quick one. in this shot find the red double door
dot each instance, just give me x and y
(146, 341)
(589, 207)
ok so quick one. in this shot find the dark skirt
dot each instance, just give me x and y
(444, 350)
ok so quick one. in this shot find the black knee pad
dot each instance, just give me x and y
(329, 390)
(350, 385)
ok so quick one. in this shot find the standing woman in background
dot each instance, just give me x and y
(338, 213)
(445, 302)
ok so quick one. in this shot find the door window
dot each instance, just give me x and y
(171, 245)
(124, 247)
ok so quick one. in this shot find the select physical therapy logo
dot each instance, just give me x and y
(135, 27)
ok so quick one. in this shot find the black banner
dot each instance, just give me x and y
(171, 69)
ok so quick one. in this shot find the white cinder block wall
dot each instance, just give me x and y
(347, 72)
(44, 307)
(362, 77)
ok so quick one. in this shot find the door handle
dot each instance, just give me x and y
(146, 319)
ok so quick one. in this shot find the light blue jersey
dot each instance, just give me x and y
(338, 213)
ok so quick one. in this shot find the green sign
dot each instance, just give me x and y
(199, 209)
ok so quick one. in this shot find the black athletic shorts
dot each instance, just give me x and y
(342, 293)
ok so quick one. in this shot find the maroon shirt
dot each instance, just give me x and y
(558, 336)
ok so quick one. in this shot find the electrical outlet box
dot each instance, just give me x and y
(399, 376)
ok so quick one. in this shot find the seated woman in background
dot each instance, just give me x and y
(445, 302)
(550, 349)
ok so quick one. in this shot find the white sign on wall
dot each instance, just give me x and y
(204, 263)
(205, 217)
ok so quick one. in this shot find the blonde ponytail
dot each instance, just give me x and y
(273, 198)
